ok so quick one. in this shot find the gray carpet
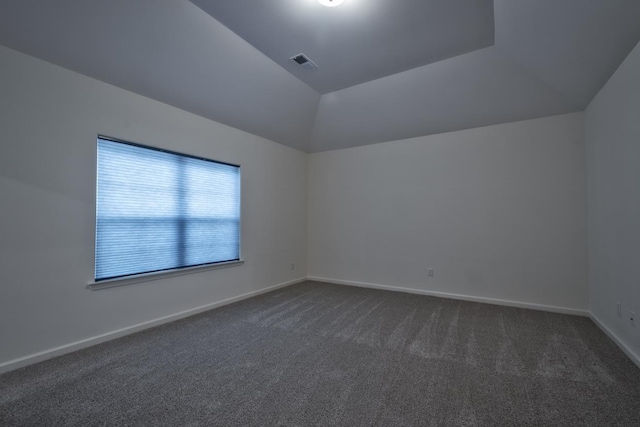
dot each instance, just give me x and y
(319, 354)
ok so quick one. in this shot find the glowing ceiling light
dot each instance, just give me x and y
(331, 3)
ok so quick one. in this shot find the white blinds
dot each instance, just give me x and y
(158, 210)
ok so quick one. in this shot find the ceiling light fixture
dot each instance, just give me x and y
(331, 3)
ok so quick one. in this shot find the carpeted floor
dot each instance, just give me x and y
(320, 354)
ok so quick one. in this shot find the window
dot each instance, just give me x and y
(158, 210)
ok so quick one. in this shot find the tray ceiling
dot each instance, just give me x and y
(404, 68)
(359, 41)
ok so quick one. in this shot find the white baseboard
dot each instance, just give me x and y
(630, 353)
(78, 345)
(540, 307)
(635, 358)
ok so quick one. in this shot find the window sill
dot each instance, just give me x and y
(123, 281)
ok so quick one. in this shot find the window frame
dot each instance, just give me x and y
(96, 284)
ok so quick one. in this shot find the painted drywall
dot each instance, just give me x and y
(572, 45)
(498, 212)
(50, 118)
(440, 97)
(170, 51)
(612, 123)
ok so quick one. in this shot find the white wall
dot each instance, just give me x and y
(49, 120)
(498, 212)
(613, 177)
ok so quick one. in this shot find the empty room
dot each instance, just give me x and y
(319, 212)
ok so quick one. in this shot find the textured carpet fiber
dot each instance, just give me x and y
(320, 354)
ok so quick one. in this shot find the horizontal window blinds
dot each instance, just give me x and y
(158, 210)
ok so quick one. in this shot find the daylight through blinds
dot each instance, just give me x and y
(158, 210)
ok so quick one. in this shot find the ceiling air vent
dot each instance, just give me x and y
(304, 62)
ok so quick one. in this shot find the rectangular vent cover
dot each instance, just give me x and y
(302, 60)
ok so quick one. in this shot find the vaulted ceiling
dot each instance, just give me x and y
(387, 70)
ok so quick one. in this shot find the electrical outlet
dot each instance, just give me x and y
(619, 309)
(430, 272)
(632, 317)
(293, 265)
